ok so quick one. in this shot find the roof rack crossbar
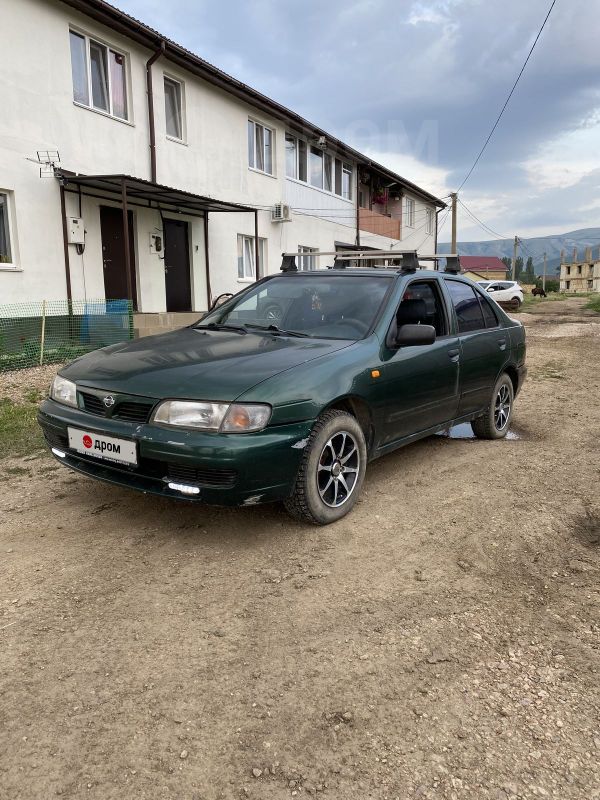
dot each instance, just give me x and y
(409, 259)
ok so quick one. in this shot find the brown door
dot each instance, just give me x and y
(113, 255)
(178, 285)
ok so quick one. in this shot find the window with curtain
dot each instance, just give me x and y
(409, 212)
(99, 76)
(316, 167)
(247, 257)
(429, 220)
(260, 147)
(173, 108)
(291, 156)
(5, 250)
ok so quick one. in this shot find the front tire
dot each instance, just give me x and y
(331, 472)
(494, 424)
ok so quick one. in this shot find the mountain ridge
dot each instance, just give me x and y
(535, 247)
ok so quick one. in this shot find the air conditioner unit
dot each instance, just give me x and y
(281, 212)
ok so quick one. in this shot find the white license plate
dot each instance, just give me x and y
(123, 451)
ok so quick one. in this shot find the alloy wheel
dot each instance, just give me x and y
(502, 408)
(338, 469)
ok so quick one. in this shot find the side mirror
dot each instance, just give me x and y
(491, 289)
(413, 335)
(222, 298)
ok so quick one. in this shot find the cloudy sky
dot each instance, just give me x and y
(418, 84)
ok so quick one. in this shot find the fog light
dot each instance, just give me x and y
(58, 452)
(184, 488)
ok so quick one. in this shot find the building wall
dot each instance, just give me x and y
(36, 85)
(580, 276)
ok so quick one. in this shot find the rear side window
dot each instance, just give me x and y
(466, 305)
(491, 320)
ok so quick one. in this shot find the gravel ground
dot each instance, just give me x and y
(440, 642)
(15, 384)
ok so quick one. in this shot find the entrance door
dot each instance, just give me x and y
(178, 285)
(113, 256)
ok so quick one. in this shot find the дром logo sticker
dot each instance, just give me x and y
(87, 441)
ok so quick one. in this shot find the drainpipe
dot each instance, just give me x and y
(356, 200)
(152, 130)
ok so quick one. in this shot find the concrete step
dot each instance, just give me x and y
(140, 333)
(167, 319)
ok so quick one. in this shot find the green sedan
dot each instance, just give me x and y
(287, 390)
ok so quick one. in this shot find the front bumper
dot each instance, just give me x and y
(229, 469)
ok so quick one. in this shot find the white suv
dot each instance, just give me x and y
(503, 291)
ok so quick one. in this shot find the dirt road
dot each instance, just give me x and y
(443, 641)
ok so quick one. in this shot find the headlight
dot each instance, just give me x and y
(64, 391)
(234, 418)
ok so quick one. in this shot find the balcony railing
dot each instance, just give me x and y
(382, 224)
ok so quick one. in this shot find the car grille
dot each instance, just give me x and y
(93, 404)
(127, 410)
(202, 476)
(133, 412)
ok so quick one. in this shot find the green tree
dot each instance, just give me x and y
(518, 268)
(529, 274)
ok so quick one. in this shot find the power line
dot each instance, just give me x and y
(485, 144)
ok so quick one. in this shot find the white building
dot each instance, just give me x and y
(122, 113)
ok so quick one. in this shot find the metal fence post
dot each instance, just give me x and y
(43, 335)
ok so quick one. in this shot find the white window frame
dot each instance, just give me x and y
(252, 161)
(10, 232)
(329, 168)
(429, 227)
(246, 267)
(182, 118)
(126, 68)
(306, 259)
(409, 212)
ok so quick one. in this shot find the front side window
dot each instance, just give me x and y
(260, 147)
(307, 261)
(422, 305)
(247, 257)
(466, 305)
(409, 212)
(99, 76)
(5, 248)
(328, 307)
(173, 109)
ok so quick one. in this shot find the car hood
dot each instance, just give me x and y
(195, 364)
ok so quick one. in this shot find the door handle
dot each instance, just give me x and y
(502, 344)
(454, 354)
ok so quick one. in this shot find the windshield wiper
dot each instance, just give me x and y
(277, 330)
(218, 326)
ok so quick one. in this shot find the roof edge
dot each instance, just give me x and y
(123, 23)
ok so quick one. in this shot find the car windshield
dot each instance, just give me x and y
(322, 306)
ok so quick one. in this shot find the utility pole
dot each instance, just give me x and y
(544, 273)
(514, 258)
(453, 196)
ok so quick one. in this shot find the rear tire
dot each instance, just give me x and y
(517, 303)
(494, 424)
(331, 472)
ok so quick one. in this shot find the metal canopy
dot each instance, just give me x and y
(143, 192)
